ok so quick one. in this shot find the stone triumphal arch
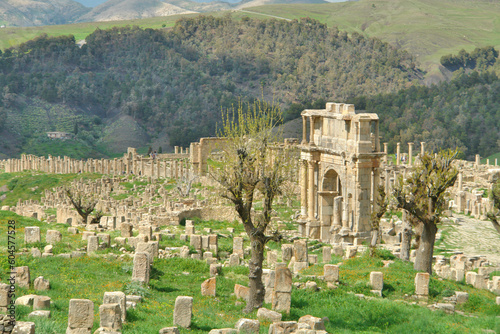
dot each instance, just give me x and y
(339, 172)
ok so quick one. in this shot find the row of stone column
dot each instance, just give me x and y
(125, 165)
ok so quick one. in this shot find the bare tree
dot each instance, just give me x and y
(423, 196)
(495, 198)
(381, 204)
(184, 184)
(252, 166)
(84, 207)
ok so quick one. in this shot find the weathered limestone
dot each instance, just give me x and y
(234, 260)
(286, 252)
(32, 234)
(282, 294)
(183, 311)
(208, 287)
(110, 316)
(462, 297)
(24, 327)
(22, 276)
(265, 315)
(195, 242)
(314, 323)
(300, 250)
(331, 273)
(238, 246)
(41, 284)
(41, 303)
(53, 236)
(141, 268)
(215, 269)
(327, 254)
(241, 292)
(80, 317)
(117, 297)
(126, 230)
(422, 285)
(4, 297)
(104, 239)
(92, 244)
(247, 326)
(377, 281)
(189, 230)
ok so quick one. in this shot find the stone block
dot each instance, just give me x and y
(92, 243)
(299, 266)
(141, 268)
(331, 273)
(282, 327)
(111, 316)
(462, 297)
(195, 241)
(208, 287)
(215, 269)
(314, 323)
(126, 230)
(87, 234)
(117, 297)
(247, 326)
(350, 252)
(265, 315)
(286, 252)
(377, 280)
(40, 314)
(312, 258)
(281, 301)
(32, 234)
(22, 276)
(234, 260)
(327, 254)
(24, 327)
(183, 311)
(241, 291)
(41, 284)
(422, 285)
(300, 250)
(238, 246)
(53, 236)
(80, 316)
(41, 303)
(283, 278)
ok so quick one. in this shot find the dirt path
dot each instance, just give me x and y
(473, 237)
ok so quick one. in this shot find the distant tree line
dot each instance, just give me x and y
(179, 79)
(480, 59)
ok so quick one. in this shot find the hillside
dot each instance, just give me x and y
(114, 10)
(427, 29)
(39, 12)
(177, 80)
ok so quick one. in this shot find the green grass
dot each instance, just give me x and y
(28, 185)
(89, 277)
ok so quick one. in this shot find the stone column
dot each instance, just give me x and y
(311, 133)
(385, 151)
(422, 148)
(303, 188)
(337, 211)
(410, 154)
(304, 130)
(478, 160)
(460, 181)
(398, 154)
(311, 193)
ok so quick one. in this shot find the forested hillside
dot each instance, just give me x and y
(178, 79)
(463, 113)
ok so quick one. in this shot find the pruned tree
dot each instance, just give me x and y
(495, 198)
(422, 195)
(253, 167)
(379, 211)
(184, 184)
(84, 206)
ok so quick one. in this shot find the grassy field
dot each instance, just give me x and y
(427, 29)
(89, 277)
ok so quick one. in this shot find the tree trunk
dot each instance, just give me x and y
(373, 243)
(423, 262)
(406, 238)
(257, 290)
